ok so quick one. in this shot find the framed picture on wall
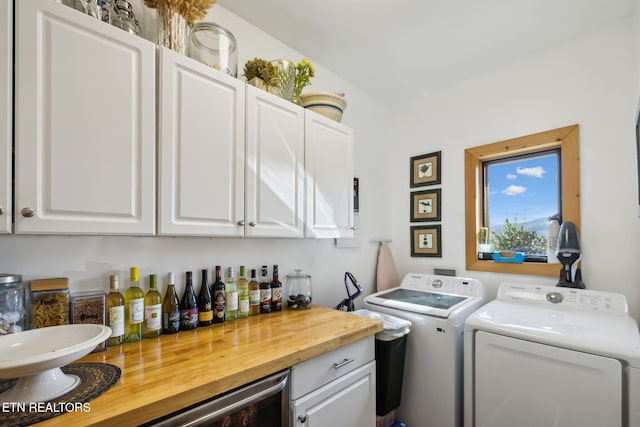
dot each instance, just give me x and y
(425, 169)
(426, 241)
(426, 205)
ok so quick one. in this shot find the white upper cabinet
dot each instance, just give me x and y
(274, 187)
(6, 101)
(201, 149)
(84, 124)
(329, 177)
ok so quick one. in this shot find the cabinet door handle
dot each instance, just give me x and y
(1, 210)
(302, 418)
(341, 364)
(252, 223)
(241, 223)
(27, 212)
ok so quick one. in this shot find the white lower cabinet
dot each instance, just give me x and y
(336, 389)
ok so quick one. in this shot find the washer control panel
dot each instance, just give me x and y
(444, 284)
(566, 298)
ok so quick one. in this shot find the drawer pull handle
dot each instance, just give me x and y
(341, 364)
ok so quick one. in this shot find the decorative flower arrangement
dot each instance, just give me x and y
(304, 72)
(191, 10)
(283, 77)
(175, 17)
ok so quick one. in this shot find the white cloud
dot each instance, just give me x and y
(536, 172)
(514, 190)
(511, 176)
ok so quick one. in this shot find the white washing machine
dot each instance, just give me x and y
(554, 357)
(437, 307)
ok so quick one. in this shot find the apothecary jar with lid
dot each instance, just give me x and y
(12, 307)
(298, 291)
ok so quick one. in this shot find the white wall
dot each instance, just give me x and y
(592, 81)
(89, 260)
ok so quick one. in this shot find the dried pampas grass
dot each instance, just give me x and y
(191, 10)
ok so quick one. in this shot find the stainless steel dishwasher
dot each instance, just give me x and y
(263, 403)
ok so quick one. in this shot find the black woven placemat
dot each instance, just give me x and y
(95, 379)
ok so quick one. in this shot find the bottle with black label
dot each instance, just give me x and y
(276, 291)
(189, 306)
(265, 291)
(171, 308)
(219, 303)
(205, 302)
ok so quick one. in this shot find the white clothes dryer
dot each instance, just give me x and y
(437, 307)
(542, 356)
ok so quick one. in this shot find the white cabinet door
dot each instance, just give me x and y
(6, 101)
(347, 401)
(329, 177)
(84, 124)
(201, 154)
(274, 187)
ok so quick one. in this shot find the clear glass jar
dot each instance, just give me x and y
(286, 79)
(298, 291)
(120, 14)
(214, 46)
(12, 308)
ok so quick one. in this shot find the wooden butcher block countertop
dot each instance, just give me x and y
(165, 374)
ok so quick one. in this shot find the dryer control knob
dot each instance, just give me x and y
(554, 297)
(437, 283)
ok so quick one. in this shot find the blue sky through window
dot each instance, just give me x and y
(524, 190)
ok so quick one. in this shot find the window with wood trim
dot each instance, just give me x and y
(563, 143)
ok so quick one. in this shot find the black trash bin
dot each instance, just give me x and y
(390, 348)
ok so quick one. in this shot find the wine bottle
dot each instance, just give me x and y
(205, 306)
(152, 310)
(133, 309)
(276, 291)
(254, 294)
(170, 308)
(189, 306)
(265, 291)
(219, 304)
(243, 294)
(231, 295)
(115, 312)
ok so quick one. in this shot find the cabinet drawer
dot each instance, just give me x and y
(314, 373)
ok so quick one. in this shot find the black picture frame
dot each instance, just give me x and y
(425, 169)
(426, 206)
(426, 241)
